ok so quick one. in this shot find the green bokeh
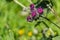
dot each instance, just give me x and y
(11, 20)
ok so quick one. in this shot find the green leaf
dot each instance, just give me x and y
(56, 38)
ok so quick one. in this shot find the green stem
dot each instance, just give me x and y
(41, 22)
(37, 23)
(50, 21)
(30, 1)
(45, 24)
(16, 1)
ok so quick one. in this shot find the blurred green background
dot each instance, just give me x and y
(11, 21)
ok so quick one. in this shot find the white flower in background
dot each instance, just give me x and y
(44, 31)
(24, 11)
(48, 32)
(35, 31)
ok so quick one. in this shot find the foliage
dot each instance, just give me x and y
(11, 22)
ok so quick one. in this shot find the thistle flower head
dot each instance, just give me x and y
(32, 6)
(40, 10)
(29, 18)
(33, 13)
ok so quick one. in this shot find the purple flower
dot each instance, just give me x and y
(40, 10)
(33, 14)
(32, 6)
(29, 18)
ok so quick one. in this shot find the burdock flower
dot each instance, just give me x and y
(21, 32)
(40, 10)
(29, 18)
(32, 7)
(30, 33)
(33, 13)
